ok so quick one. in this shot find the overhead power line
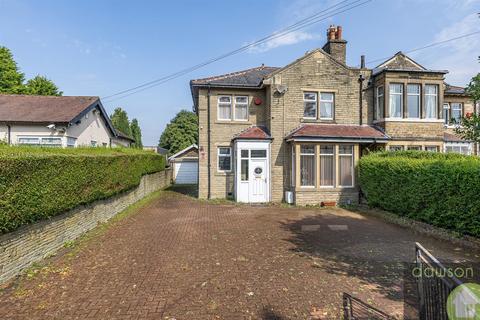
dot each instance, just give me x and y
(429, 45)
(336, 9)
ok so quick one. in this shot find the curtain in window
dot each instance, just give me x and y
(456, 110)
(307, 165)
(413, 100)
(396, 102)
(430, 101)
(327, 166)
(380, 103)
(225, 108)
(241, 108)
(326, 105)
(346, 165)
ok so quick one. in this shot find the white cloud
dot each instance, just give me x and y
(282, 40)
(460, 56)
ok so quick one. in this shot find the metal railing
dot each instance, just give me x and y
(356, 309)
(434, 284)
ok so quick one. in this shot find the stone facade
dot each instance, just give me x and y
(20, 248)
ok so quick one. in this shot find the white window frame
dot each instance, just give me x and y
(352, 167)
(446, 106)
(396, 145)
(458, 145)
(418, 95)
(380, 97)
(431, 147)
(235, 107)
(319, 105)
(40, 141)
(310, 100)
(27, 137)
(414, 147)
(70, 140)
(396, 94)
(334, 166)
(436, 100)
(224, 103)
(224, 155)
(454, 106)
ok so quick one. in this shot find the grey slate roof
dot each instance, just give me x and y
(246, 78)
(449, 89)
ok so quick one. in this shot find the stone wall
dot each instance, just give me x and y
(20, 248)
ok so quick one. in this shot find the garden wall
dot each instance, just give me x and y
(33, 242)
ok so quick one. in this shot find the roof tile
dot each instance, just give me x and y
(337, 131)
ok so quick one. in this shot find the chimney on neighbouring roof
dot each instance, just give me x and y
(336, 46)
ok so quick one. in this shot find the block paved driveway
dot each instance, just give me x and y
(181, 258)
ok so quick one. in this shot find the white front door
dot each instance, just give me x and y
(258, 180)
(252, 171)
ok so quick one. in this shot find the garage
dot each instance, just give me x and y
(185, 165)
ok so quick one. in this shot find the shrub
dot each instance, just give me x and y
(38, 183)
(439, 189)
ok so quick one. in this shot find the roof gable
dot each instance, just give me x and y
(179, 153)
(401, 61)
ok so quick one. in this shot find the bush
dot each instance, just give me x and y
(38, 183)
(439, 189)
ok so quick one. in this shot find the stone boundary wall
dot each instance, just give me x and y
(31, 243)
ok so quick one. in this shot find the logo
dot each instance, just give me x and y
(463, 303)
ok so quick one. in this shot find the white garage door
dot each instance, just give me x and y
(186, 172)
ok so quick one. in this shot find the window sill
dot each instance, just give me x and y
(223, 173)
(409, 120)
(232, 122)
(317, 120)
(322, 189)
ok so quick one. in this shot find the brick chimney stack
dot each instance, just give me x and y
(336, 46)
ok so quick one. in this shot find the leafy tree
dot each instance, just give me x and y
(11, 79)
(136, 134)
(469, 128)
(120, 121)
(181, 132)
(42, 86)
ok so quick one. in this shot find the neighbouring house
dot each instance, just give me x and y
(296, 133)
(57, 121)
(185, 165)
(156, 149)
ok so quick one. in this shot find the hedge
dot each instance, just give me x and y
(440, 189)
(39, 183)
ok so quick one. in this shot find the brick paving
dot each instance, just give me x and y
(181, 258)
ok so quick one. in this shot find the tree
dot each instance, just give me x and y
(42, 86)
(469, 128)
(11, 79)
(120, 121)
(136, 134)
(181, 132)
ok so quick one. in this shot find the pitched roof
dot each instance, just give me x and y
(254, 132)
(245, 78)
(402, 62)
(337, 131)
(449, 89)
(24, 108)
(193, 146)
(122, 135)
(449, 137)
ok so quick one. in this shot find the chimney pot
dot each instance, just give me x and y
(362, 61)
(339, 33)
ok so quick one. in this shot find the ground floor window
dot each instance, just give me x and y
(345, 159)
(307, 165)
(431, 148)
(462, 148)
(414, 148)
(225, 158)
(244, 165)
(327, 166)
(42, 141)
(395, 148)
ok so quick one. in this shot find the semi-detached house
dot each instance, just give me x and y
(296, 133)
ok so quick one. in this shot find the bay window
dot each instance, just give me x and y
(396, 100)
(310, 105)
(380, 103)
(431, 101)
(413, 101)
(307, 165)
(327, 166)
(326, 105)
(345, 158)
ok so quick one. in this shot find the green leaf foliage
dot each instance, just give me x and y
(181, 132)
(136, 134)
(42, 86)
(439, 189)
(39, 183)
(11, 79)
(473, 88)
(120, 121)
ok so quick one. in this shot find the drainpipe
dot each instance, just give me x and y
(361, 78)
(209, 165)
(9, 134)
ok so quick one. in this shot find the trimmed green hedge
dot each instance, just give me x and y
(439, 189)
(38, 183)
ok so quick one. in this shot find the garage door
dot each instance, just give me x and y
(186, 172)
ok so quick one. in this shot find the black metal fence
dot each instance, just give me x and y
(356, 309)
(434, 285)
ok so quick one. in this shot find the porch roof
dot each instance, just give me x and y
(337, 132)
(254, 133)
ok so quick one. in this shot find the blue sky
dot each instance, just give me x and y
(101, 47)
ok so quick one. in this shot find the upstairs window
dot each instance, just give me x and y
(446, 113)
(380, 102)
(310, 105)
(224, 108)
(456, 112)
(396, 100)
(326, 105)
(431, 101)
(413, 101)
(241, 108)
(224, 159)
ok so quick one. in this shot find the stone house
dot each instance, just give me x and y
(296, 133)
(67, 121)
